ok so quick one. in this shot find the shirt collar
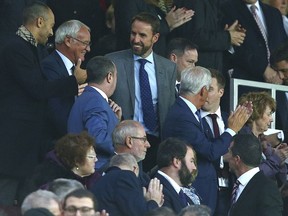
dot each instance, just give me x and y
(171, 181)
(247, 176)
(148, 58)
(205, 113)
(67, 62)
(256, 4)
(101, 93)
(189, 104)
(24, 33)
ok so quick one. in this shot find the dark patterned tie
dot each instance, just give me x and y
(149, 115)
(234, 192)
(199, 118)
(215, 125)
(260, 25)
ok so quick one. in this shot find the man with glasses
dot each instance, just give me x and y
(81, 201)
(72, 41)
(93, 111)
(24, 94)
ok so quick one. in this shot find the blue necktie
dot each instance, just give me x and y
(199, 118)
(149, 115)
(183, 198)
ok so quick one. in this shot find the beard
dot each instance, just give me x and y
(186, 177)
(139, 51)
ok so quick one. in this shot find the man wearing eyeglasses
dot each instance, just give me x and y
(72, 41)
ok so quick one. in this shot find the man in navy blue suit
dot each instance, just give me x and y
(72, 41)
(184, 121)
(119, 191)
(93, 111)
(177, 169)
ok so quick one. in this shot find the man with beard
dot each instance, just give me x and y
(146, 83)
(177, 169)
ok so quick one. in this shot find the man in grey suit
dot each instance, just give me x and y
(145, 77)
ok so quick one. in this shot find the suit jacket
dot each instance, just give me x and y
(120, 194)
(124, 95)
(171, 197)
(23, 112)
(59, 107)
(260, 197)
(91, 112)
(181, 122)
(250, 59)
(205, 30)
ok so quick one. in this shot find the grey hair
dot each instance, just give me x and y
(71, 28)
(124, 129)
(193, 79)
(195, 210)
(123, 160)
(38, 199)
(61, 187)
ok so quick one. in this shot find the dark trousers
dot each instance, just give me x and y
(223, 202)
(151, 156)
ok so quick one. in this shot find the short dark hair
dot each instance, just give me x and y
(161, 211)
(280, 54)
(248, 148)
(179, 46)
(218, 76)
(169, 149)
(98, 68)
(72, 148)
(149, 19)
(81, 193)
(35, 10)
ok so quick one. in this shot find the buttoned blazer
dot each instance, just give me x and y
(59, 107)
(260, 197)
(182, 123)
(124, 95)
(92, 113)
(250, 59)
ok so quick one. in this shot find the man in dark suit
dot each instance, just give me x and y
(216, 121)
(184, 121)
(251, 59)
(160, 82)
(24, 94)
(119, 191)
(253, 193)
(177, 169)
(72, 41)
(93, 111)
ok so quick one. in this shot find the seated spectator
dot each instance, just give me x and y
(61, 187)
(177, 169)
(264, 106)
(82, 201)
(162, 211)
(120, 193)
(73, 158)
(42, 199)
(196, 210)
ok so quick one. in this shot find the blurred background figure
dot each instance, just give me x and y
(196, 210)
(161, 211)
(42, 199)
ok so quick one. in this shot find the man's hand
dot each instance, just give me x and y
(240, 116)
(116, 109)
(177, 17)
(154, 192)
(237, 33)
(81, 88)
(272, 76)
(102, 213)
(79, 73)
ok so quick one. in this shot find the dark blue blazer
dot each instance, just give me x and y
(120, 194)
(181, 123)
(54, 68)
(92, 113)
(171, 197)
(250, 59)
(260, 197)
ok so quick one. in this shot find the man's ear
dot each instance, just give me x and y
(109, 77)
(155, 37)
(221, 92)
(176, 163)
(173, 57)
(40, 22)
(202, 91)
(128, 142)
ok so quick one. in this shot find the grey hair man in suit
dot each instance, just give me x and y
(157, 90)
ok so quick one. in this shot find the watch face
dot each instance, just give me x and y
(279, 136)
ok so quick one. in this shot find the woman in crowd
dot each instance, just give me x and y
(273, 163)
(74, 157)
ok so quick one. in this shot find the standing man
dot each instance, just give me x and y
(146, 86)
(184, 54)
(215, 120)
(184, 121)
(177, 169)
(93, 111)
(72, 41)
(253, 193)
(24, 94)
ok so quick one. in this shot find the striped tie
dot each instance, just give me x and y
(234, 192)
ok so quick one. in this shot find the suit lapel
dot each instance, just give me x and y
(63, 71)
(129, 70)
